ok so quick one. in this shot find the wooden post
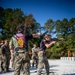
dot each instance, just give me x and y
(68, 53)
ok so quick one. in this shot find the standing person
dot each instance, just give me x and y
(1, 55)
(34, 55)
(6, 54)
(20, 44)
(42, 59)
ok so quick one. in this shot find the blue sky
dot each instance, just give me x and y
(43, 10)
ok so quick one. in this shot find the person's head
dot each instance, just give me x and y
(34, 45)
(20, 28)
(47, 36)
(6, 42)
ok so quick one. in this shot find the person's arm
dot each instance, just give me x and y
(11, 49)
(11, 44)
(36, 35)
(32, 49)
(12, 55)
(50, 44)
(3, 49)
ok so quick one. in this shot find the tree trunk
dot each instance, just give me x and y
(69, 53)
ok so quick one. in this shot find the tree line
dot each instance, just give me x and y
(63, 29)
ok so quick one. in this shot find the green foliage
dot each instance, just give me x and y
(49, 25)
(65, 29)
(11, 18)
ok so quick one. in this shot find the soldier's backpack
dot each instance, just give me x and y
(20, 41)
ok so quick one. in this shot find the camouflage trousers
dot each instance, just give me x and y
(7, 62)
(3, 63)
(34, 60)
(42, 62)
(22, 59)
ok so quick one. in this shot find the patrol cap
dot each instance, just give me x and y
(47, 36)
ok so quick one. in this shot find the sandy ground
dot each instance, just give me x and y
(57, 67)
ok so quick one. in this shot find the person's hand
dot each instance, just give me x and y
(53, 42)
(39, 33)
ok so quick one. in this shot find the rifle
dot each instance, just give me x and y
(58, 39)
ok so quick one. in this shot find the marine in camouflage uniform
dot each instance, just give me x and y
(2, 59)
(1, 54)
(6, 55)
(42, 59)
(34, 56)
(21, 54)
(3, 63)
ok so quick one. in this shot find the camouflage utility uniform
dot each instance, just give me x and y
(34, 56)
(42, 59)
(6, 55)
(1, 55)
(21, 56)
(2, 61)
